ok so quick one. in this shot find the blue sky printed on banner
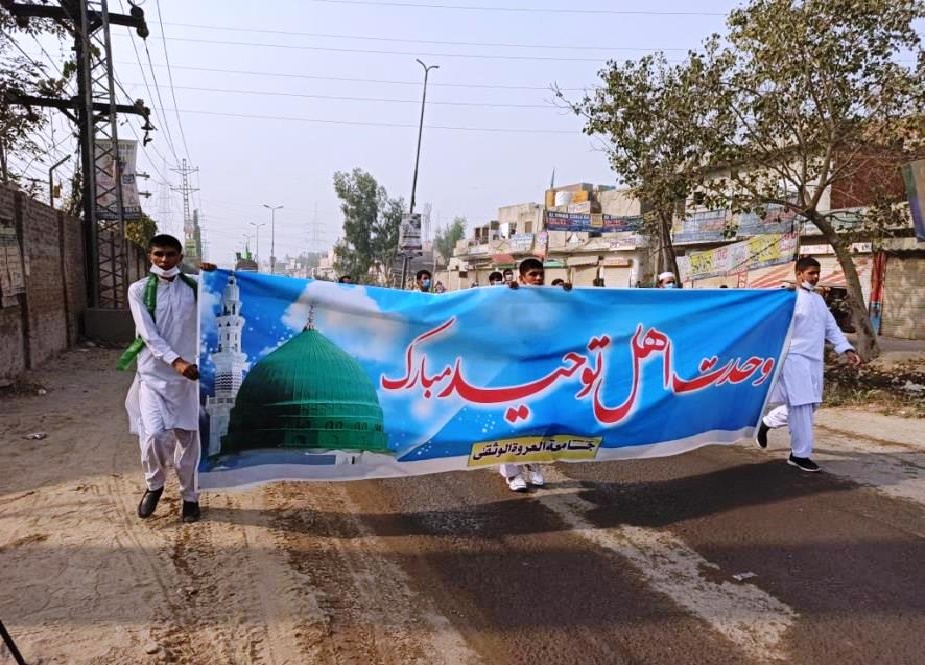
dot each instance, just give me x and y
(508, 338)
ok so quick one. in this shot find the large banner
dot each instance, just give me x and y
(311, 380)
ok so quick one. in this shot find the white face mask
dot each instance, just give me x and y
(160, 272)
(808, 286)
(669, 285)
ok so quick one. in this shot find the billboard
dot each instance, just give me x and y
(575, 222)
(409, 235)
(106, 200)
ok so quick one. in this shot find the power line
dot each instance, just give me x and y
(487, 86)
(160, 99)
(417, 54)
(545, 47)
(421, 5)
(162, 118)
(507, 130)
(363, 99)
(160, 20)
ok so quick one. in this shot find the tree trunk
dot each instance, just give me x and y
(4, 174)
(667, 260)
(867, 346)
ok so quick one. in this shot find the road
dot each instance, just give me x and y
(725, 555)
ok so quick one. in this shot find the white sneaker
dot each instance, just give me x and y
(517, 483)
(535, 477)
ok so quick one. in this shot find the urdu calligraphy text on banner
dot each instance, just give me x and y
(311, 380)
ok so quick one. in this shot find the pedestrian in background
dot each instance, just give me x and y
(666, 281)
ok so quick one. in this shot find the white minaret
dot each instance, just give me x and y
(230, 365)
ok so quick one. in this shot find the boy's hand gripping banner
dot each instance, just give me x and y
(311, 380)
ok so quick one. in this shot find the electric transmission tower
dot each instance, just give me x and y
(95, 112)
(191, 248)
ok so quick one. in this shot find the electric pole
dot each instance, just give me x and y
(95, 112)
(191, 250)
(272, 210)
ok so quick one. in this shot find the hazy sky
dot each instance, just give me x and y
(299, 75)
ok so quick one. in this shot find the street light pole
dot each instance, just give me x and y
(272, 210)
(417, 161)
(257, 248)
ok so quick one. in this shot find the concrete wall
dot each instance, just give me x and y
(46, 319)
(619, 203)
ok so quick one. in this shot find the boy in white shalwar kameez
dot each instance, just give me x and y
(799, 387)
(163, 402)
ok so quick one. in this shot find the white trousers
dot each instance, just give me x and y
(511, 470)
(800, 420)
(177, 448)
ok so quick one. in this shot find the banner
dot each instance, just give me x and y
(106, 201)
(756, 252)
(914, 177)
(312, 380)
(575, 222)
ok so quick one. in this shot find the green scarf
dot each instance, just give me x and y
(150, 300)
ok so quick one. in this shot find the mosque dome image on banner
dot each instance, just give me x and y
(306, 395)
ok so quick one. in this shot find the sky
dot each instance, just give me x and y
(270, 99)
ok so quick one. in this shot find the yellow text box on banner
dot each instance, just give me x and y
(534, 449)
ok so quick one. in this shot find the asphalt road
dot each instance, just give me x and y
(725, 555)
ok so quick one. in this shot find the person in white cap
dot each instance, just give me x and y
(799, 387)
(666, 280)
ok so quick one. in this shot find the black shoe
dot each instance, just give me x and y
(190, 511)
(803, 464)
(761, 438)
(149, 502)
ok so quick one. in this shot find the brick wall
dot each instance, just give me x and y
(46, 319)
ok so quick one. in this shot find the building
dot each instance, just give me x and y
(585, 234)
(230, 365)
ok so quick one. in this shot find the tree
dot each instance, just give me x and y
(647, 113)
(20, 74)
(445, 239)
(371, 224)
(141, 230)
(801, 99)
(812, 94)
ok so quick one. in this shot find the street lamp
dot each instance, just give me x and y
(272, 210)
(257, 248)
(417, 161)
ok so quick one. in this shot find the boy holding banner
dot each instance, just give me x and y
(520, 476)
(799, 387)
(163, 402)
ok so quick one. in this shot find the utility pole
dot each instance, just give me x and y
(95, 112)
(272, 210)
(257, 239)
(417, 160)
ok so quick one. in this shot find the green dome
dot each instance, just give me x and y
(308, 394)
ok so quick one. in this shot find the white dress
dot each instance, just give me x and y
(800, 380)
(160, 398)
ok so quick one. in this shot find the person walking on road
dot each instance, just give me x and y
(163, 402)
(798, 390)
(520, 476)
